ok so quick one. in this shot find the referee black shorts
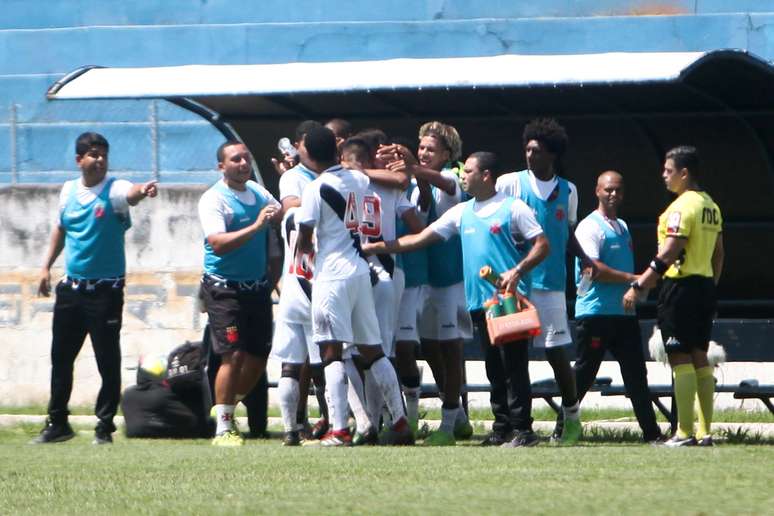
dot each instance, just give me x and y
(686, 307)
(240, 316)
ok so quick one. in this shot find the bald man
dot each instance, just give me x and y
(603, 324)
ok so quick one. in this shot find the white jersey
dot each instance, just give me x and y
(333, 205)
(297, 273)
(383, 205)
(509, 185)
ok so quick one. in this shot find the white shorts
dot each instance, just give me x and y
(293, 344)
(407, 328)
(387, 297)
(343, 311)
(552, 310)
(444, 315)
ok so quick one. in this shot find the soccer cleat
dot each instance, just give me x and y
(571, 433)
(320, 429)
(522, 439)
(676, 441)
(229, 438)
(292, 439)
(440, 438)
(705, 441)
(494, 439)
(337, 438)
(367, 438)
(399, 434)
(463, 430)
(54, 433)
(102, 437)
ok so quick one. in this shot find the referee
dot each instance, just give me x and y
(690, 258)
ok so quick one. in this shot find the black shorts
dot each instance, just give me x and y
(240, 318)
(686, 308)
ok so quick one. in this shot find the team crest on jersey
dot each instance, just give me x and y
(232, 334)
(495, 228)
(99, 210)
(673, 223)
(560, 215)
(596, 342)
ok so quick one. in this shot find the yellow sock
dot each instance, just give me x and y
(705, 393)
(685, 392)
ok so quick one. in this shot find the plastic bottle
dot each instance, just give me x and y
(488, 274)
(509, 303)
(286, 148)
(493, 308)
(584, 284)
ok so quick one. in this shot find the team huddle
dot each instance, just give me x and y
(384, 243)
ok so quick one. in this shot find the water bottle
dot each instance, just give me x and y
(286, 148)
(585, 284)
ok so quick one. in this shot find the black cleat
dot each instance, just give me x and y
(367, 438)
(292, 439)
(102, 437)
(495, 439)
(522, 439)
(54, 433)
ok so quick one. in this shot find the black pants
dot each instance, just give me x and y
(76, 313)
(507, 369)
(621, 336)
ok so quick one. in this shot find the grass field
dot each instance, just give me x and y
(192, 477)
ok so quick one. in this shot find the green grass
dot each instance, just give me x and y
(192, 477)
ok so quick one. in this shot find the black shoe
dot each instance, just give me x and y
(495, 439)
(292, 439)
(522, 439)
(320, 429)
(54, 433)
(676, 442)
(368, 438)
(705, 441)
(102, 437)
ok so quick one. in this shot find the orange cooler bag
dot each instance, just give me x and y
(518, 326)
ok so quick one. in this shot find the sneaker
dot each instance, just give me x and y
(656, 441)
(522, 439)
(440, 438)
(292, 439)
(571, 433)
(320, 429)
(337, 438)
(399, 434)
(495, 439)
(463, 430)
(54, 433)
(677, 441)
(367, 438)
(102, 437)
(705, 441)
(229, 438)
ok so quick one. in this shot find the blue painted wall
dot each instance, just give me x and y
(42, 40)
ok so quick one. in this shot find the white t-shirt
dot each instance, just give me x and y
(510, 185)
(297, 274)
(591, 237)
(381, 217)
(523, 222)
(86, 194)
(215, 213)
(333, 205)
(444, 201)
(293, 182)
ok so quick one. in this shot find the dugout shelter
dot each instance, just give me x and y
(622, 111)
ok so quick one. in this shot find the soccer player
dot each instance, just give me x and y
(235, 214)
(93, 217)
(554, 200)
(444, 321)
(602, 322)
(690, 258)
(343, 311)
(495, 230)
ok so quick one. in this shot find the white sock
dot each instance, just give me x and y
(448, 418)
(289, 396)
(336, 394)
(384, 375)
(411, 394)
(572, 412)
(374, 399)
(356, 397)
(224, 417)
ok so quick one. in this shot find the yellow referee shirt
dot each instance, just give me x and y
(695, 217)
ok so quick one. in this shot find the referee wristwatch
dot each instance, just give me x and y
(636, 286)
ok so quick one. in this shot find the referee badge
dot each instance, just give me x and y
(673, 223)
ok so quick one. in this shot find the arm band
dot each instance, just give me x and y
(659, 266)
